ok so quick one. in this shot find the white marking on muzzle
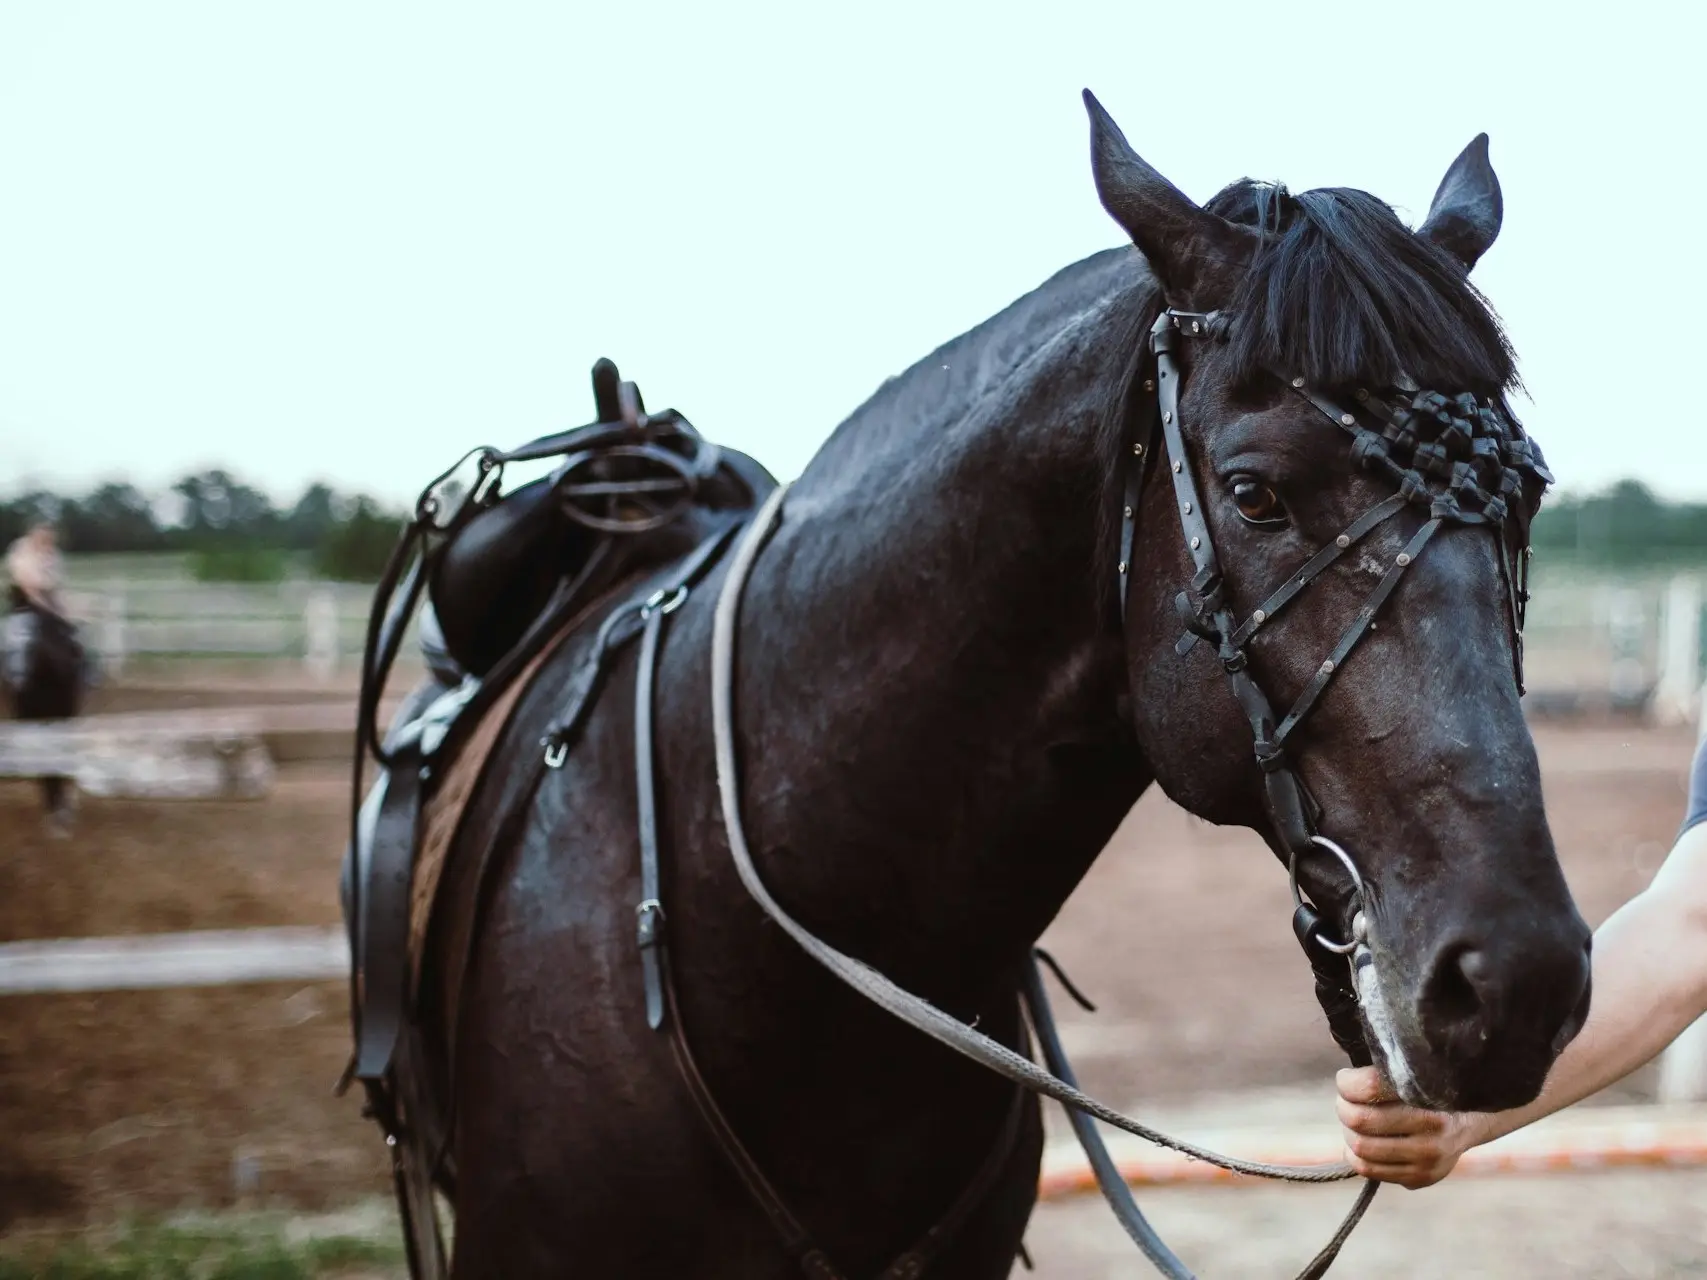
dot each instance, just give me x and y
(1379, 1019)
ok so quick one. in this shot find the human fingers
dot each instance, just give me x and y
(1388, 1119)
(1363, 1085)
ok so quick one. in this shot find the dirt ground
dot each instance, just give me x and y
(153, 1101)
(1633, 1225)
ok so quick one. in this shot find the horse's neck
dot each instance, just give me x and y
(937, 751)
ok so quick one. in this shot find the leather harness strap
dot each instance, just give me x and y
(382, 929)
(649, 913)
(663, 1010)
(1109, 1180)
(620, 626)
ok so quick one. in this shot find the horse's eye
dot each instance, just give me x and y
(1258, 503)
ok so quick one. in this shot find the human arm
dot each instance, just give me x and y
(1650, 982)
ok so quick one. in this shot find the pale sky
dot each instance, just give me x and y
(349, 240)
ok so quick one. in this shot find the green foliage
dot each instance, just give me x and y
(215, 504)
(1627, 525)
(17, 514)
(239, 564)
(227, 530)
(357, 548)
(184, 1253)
(313, 518)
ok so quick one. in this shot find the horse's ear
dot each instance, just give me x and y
(1197, 256)
(1465, 216)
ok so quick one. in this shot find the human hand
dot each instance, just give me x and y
(1392, 1142)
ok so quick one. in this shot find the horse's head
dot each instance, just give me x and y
(1304, 434)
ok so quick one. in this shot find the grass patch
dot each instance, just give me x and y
(239, 564)
(160, 1252)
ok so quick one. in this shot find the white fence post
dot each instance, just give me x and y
(1677, 690)
(112, 633)
(320, 622)
(1626, 620)
(1683, 1066)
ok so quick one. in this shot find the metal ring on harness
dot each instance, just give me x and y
(1338, 948)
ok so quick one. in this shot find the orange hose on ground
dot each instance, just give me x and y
(1631, 1140)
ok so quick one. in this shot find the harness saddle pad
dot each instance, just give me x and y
(442, 812)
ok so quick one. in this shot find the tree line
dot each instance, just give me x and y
(1627, 524)
(232, 529)
(229, 529)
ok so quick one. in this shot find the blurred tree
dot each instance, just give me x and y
(219, 508)
(115, 517)
(19, 513)
(312, 519)
(357, 548)
(1624, 525)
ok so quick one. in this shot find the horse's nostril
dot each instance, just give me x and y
(1474, 993)
(1474, 966)
(1458, 988)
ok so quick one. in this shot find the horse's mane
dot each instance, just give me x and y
(1342, 293)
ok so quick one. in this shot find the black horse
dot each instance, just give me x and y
(44, 671)
(943, 716)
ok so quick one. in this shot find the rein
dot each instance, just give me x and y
(914, 1010)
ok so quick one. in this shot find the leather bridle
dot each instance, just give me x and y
(1470, 468)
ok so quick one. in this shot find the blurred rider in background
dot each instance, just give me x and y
(33, 564)
(41, 659)
(1650, 982)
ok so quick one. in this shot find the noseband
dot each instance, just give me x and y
(1458, 457)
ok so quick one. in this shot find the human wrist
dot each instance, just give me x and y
(1475, 1128)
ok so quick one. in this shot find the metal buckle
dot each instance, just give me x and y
(664, 601)
(648, 919)
(556, 752)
